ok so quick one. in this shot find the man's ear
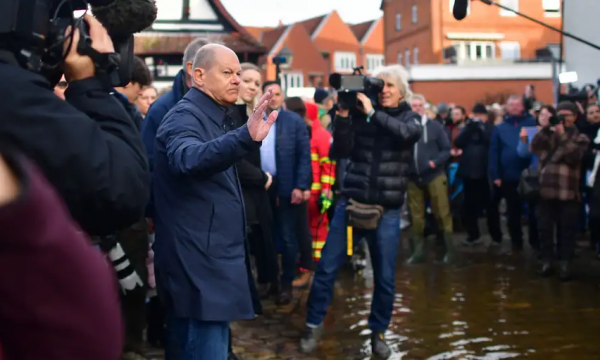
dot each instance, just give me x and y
(189, 69)
(198, 76)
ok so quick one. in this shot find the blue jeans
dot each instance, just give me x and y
(383, 246)
(189, 339)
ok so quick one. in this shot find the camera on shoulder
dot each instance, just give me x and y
(34, 34)
(348, 86)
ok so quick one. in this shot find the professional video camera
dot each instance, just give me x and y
(348, 86)
(33, 34)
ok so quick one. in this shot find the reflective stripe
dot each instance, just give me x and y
(327, 180)
(316, 186)
(324, 160)
(317, 254)
(314, 157)
(318, 245)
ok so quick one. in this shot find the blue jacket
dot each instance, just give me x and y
(292, 146)
(523, 151)
(504, 161)
(200, 245)
(157, 112)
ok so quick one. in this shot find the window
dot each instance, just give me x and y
(399, 57)
(415, 14)
(344, 61)
(513, 4)
(416, 56)
(551, 8)
(468, 6)
(474, 51)
(511, 50)
(374, 61)
(406, 58)
(292, 80)
(398, 22)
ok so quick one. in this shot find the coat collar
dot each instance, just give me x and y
(218, 113)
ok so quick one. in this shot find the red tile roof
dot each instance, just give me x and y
(269, 38)
(175, 43)
(256, 32)
(360, 30)
(312, 24)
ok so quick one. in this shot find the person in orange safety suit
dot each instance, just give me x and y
(323, 174)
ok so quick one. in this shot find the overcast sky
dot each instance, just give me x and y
(269, 12)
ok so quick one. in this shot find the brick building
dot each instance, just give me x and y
(320, 46)
(418, 31)
(162, 45)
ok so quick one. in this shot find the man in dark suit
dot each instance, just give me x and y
(285, 155)
(199, 219)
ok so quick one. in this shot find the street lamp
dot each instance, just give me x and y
(284, 56)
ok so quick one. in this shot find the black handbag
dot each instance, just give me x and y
(529, 182)
(363, 216)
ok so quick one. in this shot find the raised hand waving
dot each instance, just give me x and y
(257, 126)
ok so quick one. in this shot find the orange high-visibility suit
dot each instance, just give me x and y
(323, 173)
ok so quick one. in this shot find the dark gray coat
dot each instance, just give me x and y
(433, 145)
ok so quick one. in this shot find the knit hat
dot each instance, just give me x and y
(479, 109)
(321, 95)
(569, 106)
(442, 108)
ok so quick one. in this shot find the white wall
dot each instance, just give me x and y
(581, 19)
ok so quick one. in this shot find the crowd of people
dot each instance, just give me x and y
(255, 194)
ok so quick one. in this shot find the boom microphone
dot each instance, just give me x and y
(460, 9)
(121, 18)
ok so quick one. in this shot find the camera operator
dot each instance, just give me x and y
(378, 140)
(560, 148)
(87, 146)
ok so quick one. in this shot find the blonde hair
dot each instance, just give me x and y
(250, 106)
(399, 76)
(249, 66)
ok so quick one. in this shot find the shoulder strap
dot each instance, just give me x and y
(548, 157)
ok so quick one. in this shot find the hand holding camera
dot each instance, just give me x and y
(77, 66)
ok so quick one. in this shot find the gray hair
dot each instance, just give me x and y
(205, 56)
(192, 49)
(419, 97)
(399, 76)
(516, 97)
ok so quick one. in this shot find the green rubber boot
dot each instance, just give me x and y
(418, 255)
(450, 256)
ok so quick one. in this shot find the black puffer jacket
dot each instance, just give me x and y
(380, 153)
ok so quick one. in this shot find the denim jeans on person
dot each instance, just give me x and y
(383, 247)
(190, 339)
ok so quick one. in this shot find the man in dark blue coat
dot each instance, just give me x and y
(505, 167)
(285, 155)
(199, 212)
(160, 108)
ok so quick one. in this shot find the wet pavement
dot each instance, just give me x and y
(490, 305)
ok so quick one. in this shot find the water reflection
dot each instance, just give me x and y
(493, 308)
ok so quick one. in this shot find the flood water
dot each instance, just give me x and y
(491, 306)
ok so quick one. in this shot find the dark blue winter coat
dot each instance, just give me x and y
(200, 245)
(292, 146)
(157, 112)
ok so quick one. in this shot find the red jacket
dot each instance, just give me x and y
(323, 169)
(59, 296)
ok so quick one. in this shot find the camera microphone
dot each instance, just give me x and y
(121, 18)
(460, 9)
